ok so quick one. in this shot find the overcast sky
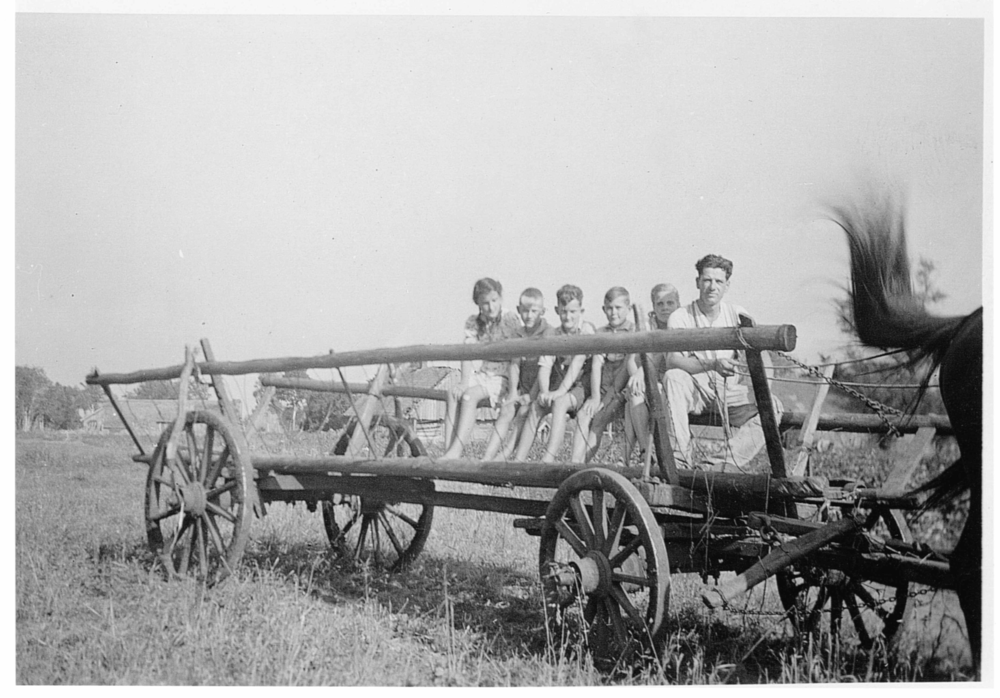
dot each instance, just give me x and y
(286, 185)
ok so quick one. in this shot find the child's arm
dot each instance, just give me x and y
(596, 370)
(544, 375)
(571, 374)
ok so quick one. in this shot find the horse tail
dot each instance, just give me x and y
(885, 312)
(945, 486)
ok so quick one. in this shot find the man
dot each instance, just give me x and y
(707, 381)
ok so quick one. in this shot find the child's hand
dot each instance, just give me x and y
(457, 390)
(545, 398)
(637, 384)
(591, 407)
(524, 399)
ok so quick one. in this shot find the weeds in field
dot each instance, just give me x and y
(93, 605)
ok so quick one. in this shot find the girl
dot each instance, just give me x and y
(492, 379)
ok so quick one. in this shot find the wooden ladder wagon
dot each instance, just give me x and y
(610, 537)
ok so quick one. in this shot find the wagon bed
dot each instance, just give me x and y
(610, 536)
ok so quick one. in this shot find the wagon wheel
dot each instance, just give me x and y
(604, 568)
(199, 503)
(820, 600)
(390, 534)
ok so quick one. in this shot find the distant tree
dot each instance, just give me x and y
(30, 382)
(90, 397)
(168, 390)
(891, 370)
(291, 402)
(60, 407)
(325, 411)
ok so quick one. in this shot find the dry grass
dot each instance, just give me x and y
(92, 607)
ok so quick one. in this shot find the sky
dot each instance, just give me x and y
(289, 184)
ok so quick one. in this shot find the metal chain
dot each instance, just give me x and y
(876, 406)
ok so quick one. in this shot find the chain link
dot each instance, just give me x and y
(878, 407)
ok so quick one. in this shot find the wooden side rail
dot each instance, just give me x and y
(766, 337)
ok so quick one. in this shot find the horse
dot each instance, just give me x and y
(886, 314)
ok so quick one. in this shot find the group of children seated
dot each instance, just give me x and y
(591, 389)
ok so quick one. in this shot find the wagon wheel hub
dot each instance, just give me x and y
(593, 573)
(193, 497)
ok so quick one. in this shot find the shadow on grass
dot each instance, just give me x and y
(497, 604)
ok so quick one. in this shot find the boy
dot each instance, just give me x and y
(609, 375)
(531, 308)
(665, 300)
(561, 389)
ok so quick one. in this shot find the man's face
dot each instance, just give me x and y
(665, 305)
(616, 311)
(712, 285)
(569, 314)
(530, 310)
(489, 305)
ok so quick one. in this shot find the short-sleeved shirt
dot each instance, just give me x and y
(529, 366)
(627, 326)
(690, 316)
(559, 364)
(478, 330)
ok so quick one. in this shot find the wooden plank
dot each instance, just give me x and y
(658, 413)
(261, 409)
(121, 416)
(809, 426)
(313, 487)
(766, 337)
(765, 405)
(338, 387)
(499, 473)
(780, 558)
(364, 409)
(229, 410)
(906, 458)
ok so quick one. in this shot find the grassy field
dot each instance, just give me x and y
(93, 607)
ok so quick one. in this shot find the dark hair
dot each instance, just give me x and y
(569, 293)
(532, 293)
(714, 261)
(484, 286)
(617, 292)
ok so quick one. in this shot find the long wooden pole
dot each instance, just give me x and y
(357, 388)
(501, 473)
(769, 337)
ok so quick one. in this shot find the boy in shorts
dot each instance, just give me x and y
(524, 375)
(560, 379)
(610, 374)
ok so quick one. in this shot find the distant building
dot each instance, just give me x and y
(146, 417)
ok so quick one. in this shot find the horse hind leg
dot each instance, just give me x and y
(967, 570)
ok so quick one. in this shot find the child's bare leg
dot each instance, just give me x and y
(561, 405)
(467, 406)
(517, 427)
(591, 430)
(528, 431)
(639, 416)
(500, 428)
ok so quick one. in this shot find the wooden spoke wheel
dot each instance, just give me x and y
(388, 534)
(604, 568)
(199, 502)
(843, 605)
